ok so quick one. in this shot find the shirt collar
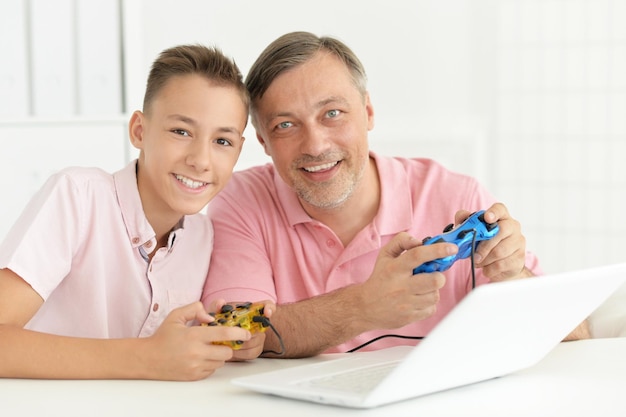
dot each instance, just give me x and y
(137, 226)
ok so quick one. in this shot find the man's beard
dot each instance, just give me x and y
(333, 193)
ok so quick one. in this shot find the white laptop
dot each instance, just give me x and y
(497, 329)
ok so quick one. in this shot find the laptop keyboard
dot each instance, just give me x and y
(358, 381)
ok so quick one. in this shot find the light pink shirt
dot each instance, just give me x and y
(267, 247)
(78, 244)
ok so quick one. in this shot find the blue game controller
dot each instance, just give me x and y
(462, 236)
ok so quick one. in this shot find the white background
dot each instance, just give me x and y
(527, 95)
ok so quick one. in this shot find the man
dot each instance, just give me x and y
(332, 231)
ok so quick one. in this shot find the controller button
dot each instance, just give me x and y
(491, 226)
(448, 228)
(260, 319)
(425, 240)
(464, 233)
(227, 308)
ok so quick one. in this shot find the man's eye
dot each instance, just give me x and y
(285, 125)
(333, 113)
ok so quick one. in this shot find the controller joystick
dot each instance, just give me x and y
(247, 315)
(474, 228)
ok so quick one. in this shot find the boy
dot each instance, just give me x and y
(92, 272)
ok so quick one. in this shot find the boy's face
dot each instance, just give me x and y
(189, 141)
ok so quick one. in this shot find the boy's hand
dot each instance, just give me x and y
(252, 348)
(177, 351)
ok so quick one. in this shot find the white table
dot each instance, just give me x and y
(584, 378)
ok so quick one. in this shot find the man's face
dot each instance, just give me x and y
(314, 122)
(190, 140)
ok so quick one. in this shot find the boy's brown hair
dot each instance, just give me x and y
(181, 60)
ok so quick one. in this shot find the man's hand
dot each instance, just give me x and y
(251, 349)
(503, 257)
(393, 296)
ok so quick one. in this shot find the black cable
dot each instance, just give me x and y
(422, 337)
(400, 336)
(266, 322)
(472, 258)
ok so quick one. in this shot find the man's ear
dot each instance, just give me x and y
(136, 129)
(263, 143)
(369, 108)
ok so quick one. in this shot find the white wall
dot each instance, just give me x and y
(527, 95)
(419, 87)
(559, 126)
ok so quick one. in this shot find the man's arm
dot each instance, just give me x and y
(582, 331)
(392, 297)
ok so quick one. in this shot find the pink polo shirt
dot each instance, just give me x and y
(267, 247)
(79, 244)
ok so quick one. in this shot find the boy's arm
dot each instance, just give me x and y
(175, 352)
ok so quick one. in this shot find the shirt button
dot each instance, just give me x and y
(149, 244)
(155, 307)
(330, 243)
(135, 240)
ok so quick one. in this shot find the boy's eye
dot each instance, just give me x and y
(333, 113)
(225, 142)
(284, 125)
(181, 132)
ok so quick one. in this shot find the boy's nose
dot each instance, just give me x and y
(200, 156)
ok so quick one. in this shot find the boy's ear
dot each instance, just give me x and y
(136, 129)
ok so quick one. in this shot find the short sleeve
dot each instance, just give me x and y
(42, 243)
